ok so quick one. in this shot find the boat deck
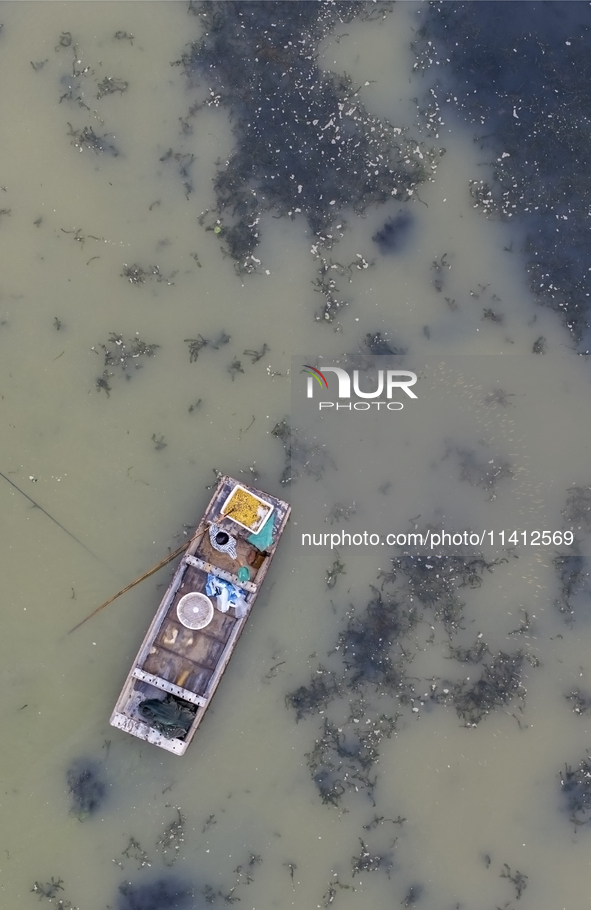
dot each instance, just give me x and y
(184, 663)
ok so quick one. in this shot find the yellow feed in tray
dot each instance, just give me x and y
(245, 508)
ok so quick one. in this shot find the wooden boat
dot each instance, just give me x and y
(181, 666)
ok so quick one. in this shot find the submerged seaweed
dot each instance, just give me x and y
(393, 235)
(343, 759)
(522, 78)
(315, 697)
(304, 142)
(434, 577)
(365, 862)
(301, 456)
(499, 683)
(86, 138)
(581, 701)
(49, 890)
(165, 893)
(373, 652)
(484, 474)
(122, 353)
(367, 641)
(576, 788)
(578, 507)
(172, 839)
(569, 567)
(87, 788)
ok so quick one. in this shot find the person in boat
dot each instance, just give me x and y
(222, 541)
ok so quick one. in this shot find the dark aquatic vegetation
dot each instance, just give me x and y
(234, 368)
(87, 139)
(499, 683)
(300, 455)
(365, 862)
(413, 894)
(169, 716)
(315, 697)
(87, 788)
(517, 878)
(373, 658)
(377, 344)
(255, 356)
(576, 789)
(102, 383)
(578, 507)
(498, 397)
(492, 316)
(304, 142)
(195, 345)
(471, 655)
(581, 701)
(110, 85)
(159, 442)
(522, 79)
(570, 570)
(185, 163)
(123, 36)
(366, 643)
(136, 274)
(164, 894)
(124, 354)
(220, 341)
(172, 838)
(134, 851)
(343, 758)
(340, 512)
(337, 568)
(49, 889)
(484, 474)
(438, 279)
(394, 234)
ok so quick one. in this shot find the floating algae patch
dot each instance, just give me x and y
(435, 577)
(520, 77)
(369, 683)
(315, 697)
(499, 683)
(576, 790)
(393, 236)
(367, 641)
(305, 143)
(301, 456)
(53, 891)
(172, 839)
(124, 355)
(87, 788)
(166, 893)
(577, 511)
(570, 568)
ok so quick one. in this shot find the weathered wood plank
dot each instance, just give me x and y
(221, 573)
(168, 687)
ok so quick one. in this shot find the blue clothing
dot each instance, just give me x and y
(264, 538)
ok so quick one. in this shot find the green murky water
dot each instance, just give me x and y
(104, 257)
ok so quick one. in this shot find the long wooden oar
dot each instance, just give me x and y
(163, 562)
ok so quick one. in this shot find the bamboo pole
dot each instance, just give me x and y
(51, 518)
(154, 569)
